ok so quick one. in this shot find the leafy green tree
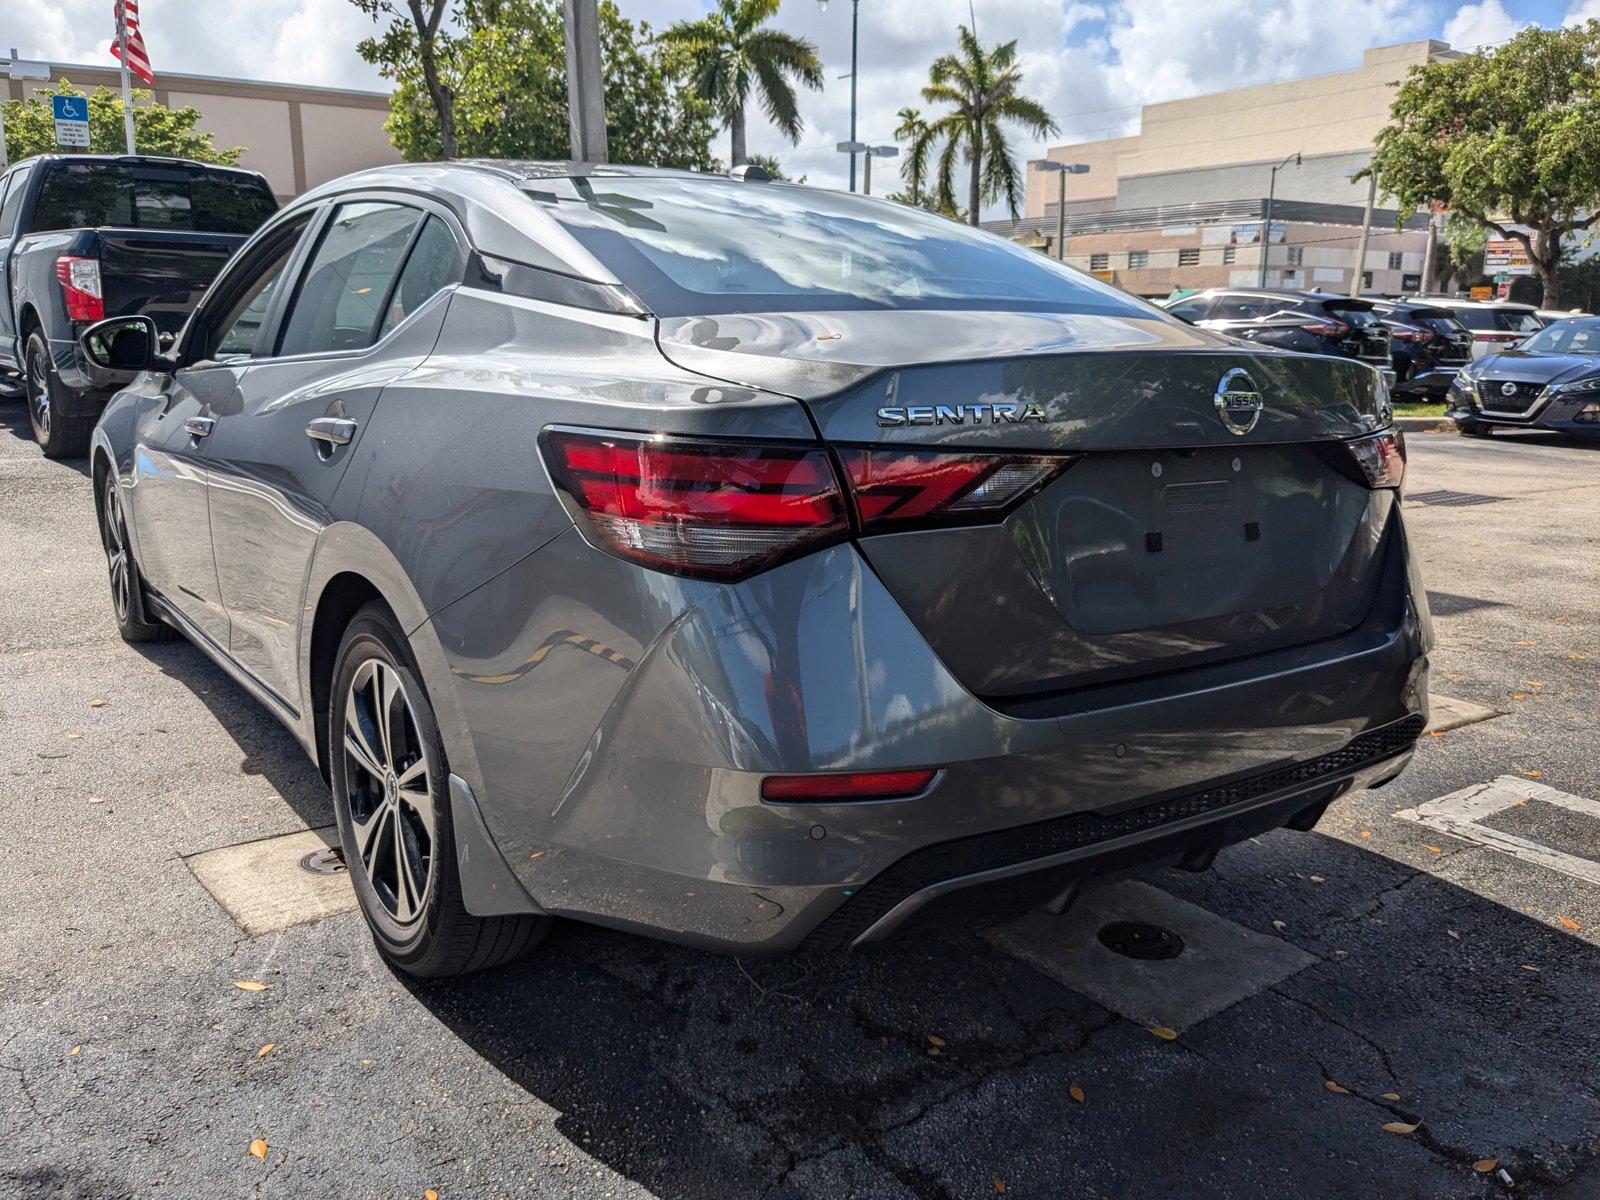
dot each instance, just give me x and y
(413, 35)
(913, 131)
(505, 68)
(1504, 138)
(981, 88)
(157, 129)
(729, 53)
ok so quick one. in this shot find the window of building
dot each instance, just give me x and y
(1229, 253)
(1189, 257)
(1099, 262)
(1138, 260)
(1297, 255)
(1396, 260)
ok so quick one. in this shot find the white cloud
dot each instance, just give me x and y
(1482, 24)
(1581, 11)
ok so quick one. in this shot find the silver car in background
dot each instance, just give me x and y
(748, 564)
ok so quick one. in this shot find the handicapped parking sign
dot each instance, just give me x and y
(72, 120)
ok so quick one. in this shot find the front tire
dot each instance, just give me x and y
(127, 588)
(391, 799)
(1475, 429)
(58, 435)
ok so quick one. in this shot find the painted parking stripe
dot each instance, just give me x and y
(1463, 814)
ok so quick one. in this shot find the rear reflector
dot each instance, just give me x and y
(900, 489)
(1382, 457)
(688, 507)
(860, 785)
(80, 288)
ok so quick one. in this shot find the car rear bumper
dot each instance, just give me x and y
(617, 744)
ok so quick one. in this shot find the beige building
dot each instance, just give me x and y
(1171, 206)
(296, 136)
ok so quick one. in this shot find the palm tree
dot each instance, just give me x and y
(913, 130)
(728, 51)
(980, 86)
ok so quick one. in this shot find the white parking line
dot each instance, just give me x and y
(1462, 813)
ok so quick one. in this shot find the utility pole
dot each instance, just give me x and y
(855, 31)
(586, 99)
(1266, 221)
(1359, 273)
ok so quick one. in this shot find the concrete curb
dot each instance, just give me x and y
(1425, 424)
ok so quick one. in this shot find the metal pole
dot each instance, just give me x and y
(127, 86)
(586, 101)
(1266, 226)
(1431, 253)
(1366, 232)
(1061, 217)
(855, 23)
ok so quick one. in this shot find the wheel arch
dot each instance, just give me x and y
(350, 568)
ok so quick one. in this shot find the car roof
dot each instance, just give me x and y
(1453, 302)
(159, 160)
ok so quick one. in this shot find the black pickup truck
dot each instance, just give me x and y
(88, 236)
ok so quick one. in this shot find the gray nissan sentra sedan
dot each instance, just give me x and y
(747, 564)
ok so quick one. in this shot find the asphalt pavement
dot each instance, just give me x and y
(1379, 971)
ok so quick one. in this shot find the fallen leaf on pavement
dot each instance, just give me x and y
(1519, 695)
(249, 985)
(75, 1051)
(1530, 968)
(1453, 934)
(97, 799)
(1072, 949)
(366, 1062)
(75, 735)
(1569, 924)
(1534, 774)
(999, 1184)
(1533, 683)
(258, 1150)
(1434, 849)
(1365, 834)
(1335, 1088)
(97, 703)
(1402, 1127)
(1391, 1096)
(430, 1194)
(1279, 926)
(1435, 733)
(1484, 1165)
(266, 1050)
(937, 1041)
(1076, 1093)
(1165, 1034)
(1318, 879)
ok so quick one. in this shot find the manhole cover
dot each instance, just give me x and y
(1449, 499)
(1135, 939)
(327, 861)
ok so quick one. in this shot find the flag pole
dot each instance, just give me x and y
(127, 87)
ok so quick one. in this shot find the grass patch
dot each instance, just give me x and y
(1419, 408)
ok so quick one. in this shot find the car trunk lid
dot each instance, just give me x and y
(1180, 535)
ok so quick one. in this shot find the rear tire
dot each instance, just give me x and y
(392, 801)
(58, 435)
(127, 588)
(1475, 429)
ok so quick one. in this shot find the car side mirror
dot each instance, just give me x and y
(121, 345)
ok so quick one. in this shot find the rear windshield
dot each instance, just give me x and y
(150, 196)
(1514, 320)
(1354, 316)
(688, 247)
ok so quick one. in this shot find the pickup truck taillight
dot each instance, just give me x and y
(80, 288)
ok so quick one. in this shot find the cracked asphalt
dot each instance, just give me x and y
(1445, 987)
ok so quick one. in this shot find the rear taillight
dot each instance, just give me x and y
(1382, 458)
(859, 785)
(80, 288)
(1422, 336)
(900, 489)
(723, 510)
(711, 509)
(1327, 328)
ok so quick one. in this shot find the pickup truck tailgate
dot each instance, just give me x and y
(160, 273)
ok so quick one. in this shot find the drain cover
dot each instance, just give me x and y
(327, 861)
(1135, 939)
(1450, 499)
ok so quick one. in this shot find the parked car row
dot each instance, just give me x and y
(740, 562)
(1419, 342)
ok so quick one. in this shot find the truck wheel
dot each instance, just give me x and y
(393, 808)
(58, 435)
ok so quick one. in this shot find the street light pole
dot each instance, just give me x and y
(1266, 223)
(1062, 170)
(853, 148)
(586, 100)
(855, 31)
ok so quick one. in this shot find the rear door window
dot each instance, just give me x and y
(1194, 308)
(1248, 308)
(433, 264)
(1518, 322)
(340, 303)
(11, 204)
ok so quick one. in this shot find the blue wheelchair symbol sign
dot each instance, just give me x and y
(70, 108)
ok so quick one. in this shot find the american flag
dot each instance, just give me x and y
(127, 12)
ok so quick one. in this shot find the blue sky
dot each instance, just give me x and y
(1091, 62)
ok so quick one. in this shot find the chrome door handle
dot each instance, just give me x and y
(199, 427)
(335, 431)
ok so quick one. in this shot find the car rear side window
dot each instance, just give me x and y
(433, 264)
(340, 301)
(11, 205)
(150, 196)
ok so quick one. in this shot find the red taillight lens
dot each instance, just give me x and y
(859, 785)
(907, 488)
(697, 508)
(1327, 328)
(1405, 334)
(80, 288)
(1382, 457)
